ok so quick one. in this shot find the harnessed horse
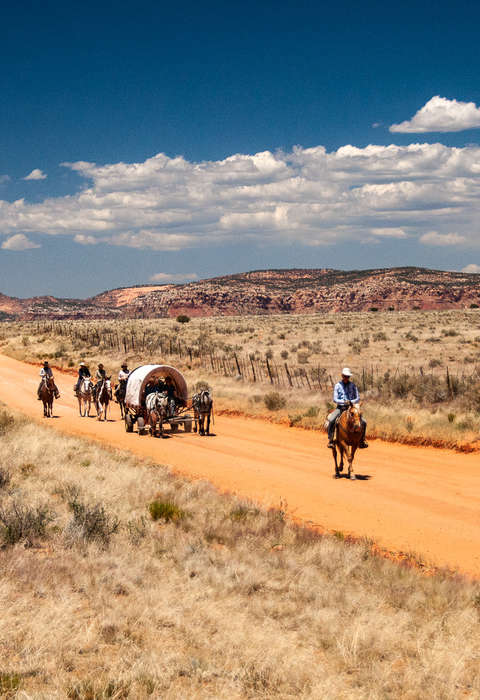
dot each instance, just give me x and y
(349, 435)
(103, 396)
(85, 396)
(156, 404)
(47, 393)
(202, 404)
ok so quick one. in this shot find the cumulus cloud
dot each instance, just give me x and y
(473, 267)
(175, 277)
(441, 114)
(441, 239)
(36, 174)
(307, 196)
(19, 242)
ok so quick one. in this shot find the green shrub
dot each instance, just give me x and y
(165, 510)
(274, 401)
(183, 318)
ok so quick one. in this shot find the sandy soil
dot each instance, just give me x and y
(411, 499)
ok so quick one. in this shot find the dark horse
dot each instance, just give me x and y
(202, 404)
(349, 435)
(103, 396)
(47, 393)
(120, 393)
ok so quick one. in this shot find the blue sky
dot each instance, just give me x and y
(266, 114)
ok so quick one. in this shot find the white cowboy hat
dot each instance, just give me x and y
(82, 364)
(346, 372)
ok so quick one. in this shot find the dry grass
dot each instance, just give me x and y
(227, 601)
(401, 344)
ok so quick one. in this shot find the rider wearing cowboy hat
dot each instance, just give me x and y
(46, 373)
(100, 375)
(124, 373)
(83, 372)
(344, 393)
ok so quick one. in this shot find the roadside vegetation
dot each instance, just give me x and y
(418, 372)
(121, 580)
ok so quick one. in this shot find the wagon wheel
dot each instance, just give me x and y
(187, 425)
(174, 427)
(141, 425)
(128, 423)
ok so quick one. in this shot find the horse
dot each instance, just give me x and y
(156, 404)
(103, 395)
(349, 434)
(47, 393)
(84, 396)
(202, 404)
(120, 393)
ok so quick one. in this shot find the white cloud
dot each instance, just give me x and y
(19, 242)
(441, 114)
(471, 268)
(36, 174)
(176, 277)
(4, 179)
(441, 239)
(389, 232)
(305, 197)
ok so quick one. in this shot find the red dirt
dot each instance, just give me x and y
(416, 500)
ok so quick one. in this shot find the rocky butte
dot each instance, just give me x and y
(266, 292)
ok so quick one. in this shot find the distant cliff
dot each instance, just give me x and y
(264, 292)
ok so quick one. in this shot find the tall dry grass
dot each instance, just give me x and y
(214, 598)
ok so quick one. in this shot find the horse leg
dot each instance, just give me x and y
(337, 472)
(351, 473)
(202, 423)
(208, 421)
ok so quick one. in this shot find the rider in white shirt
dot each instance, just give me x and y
(124, 373)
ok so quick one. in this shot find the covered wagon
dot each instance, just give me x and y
(143, 379)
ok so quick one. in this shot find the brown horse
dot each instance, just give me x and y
(47, 393)
(349, 435)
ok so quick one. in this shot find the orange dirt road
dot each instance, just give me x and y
(417, 500)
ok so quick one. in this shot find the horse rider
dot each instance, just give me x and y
(46, 373)
(124, 373)
(83, 373)
(100, 376)
(344, 393)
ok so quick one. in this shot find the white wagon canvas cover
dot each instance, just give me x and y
(139, 378)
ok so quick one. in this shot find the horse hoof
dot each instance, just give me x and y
(336, 476)
(352, 477)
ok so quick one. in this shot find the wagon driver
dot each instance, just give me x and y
(344, 393)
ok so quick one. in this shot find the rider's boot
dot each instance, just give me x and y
(363, 443)
(331, 442)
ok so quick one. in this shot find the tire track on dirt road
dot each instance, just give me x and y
(421, 500)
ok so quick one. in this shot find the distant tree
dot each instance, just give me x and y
(183, 318)
(373, 308)
(474, 306)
